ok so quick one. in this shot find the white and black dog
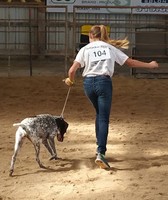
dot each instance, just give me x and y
(41, 127)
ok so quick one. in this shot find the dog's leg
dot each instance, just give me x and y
(37, 150)
(50, 149)
(18, 143)
(52, 145)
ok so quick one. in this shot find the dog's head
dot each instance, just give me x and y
(62, 126)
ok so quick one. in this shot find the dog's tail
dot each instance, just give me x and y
(17, 124)
(24, 127)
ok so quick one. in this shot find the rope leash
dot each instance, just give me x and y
(65, 102)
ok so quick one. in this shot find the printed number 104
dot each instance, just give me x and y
(99, 53)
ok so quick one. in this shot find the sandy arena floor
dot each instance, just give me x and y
(137, 143)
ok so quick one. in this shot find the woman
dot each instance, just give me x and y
(98, 59)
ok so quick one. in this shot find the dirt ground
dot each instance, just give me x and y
(137, 142)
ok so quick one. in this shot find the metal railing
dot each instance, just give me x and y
(30, 31)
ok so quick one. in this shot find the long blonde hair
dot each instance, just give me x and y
(100, 32)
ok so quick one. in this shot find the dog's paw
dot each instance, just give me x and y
(11, 172)
(42, 166)
(53, 158)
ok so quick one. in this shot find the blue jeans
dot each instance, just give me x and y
(99, 91)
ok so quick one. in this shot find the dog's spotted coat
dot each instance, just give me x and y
(41, 127)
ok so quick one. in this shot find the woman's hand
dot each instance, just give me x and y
(68, 82)
(154, 64)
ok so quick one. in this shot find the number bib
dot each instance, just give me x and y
(97, 54)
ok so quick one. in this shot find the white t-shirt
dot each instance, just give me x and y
(98, 58)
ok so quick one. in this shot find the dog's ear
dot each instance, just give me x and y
(62, 124)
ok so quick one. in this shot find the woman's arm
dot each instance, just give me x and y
(136, 63)
(71, 73)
